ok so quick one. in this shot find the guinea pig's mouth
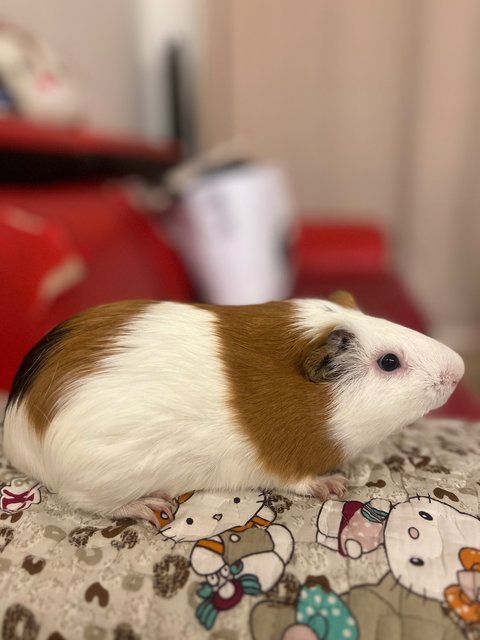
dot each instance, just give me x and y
(443, 388)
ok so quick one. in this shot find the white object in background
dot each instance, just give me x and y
(36, 81)
(233, 228)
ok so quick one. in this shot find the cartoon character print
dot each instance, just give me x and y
(238, 549)
(317, 614)
(464, 597)
(19, 494)
(432, 548)
(321, 614)
(352, 528)
(423, 540)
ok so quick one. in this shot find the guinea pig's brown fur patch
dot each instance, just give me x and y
(70, 351)
(283, 414)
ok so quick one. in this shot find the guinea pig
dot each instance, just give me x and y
(125, 405)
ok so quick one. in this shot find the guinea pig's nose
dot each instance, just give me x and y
(452, 375)
(218, 516)
(448, 379)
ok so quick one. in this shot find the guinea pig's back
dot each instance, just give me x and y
(119, 389)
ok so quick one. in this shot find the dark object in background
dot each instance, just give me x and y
(181, 99)
(33, 154)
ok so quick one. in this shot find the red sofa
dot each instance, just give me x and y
(73, 238)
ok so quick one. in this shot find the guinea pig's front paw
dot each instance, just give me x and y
(323, 486)
(157, 508)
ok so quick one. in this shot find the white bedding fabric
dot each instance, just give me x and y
(399, 558)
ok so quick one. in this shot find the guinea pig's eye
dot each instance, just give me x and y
(236, 500)
(389, 362)
(418, 562)
(189, 520)
(425, 515)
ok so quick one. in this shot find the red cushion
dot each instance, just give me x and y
(378, 294)
(328, 247)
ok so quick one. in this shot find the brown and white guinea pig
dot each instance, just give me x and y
(127, 404)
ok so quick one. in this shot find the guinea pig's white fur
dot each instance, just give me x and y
(161, 412)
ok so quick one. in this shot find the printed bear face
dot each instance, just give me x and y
(203, 515)
(423, 539)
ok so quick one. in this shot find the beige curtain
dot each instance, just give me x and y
(373, 108)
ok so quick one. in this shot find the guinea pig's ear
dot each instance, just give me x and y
(319, 363)
(344, 299)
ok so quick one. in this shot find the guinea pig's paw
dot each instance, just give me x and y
(150, 508)
(323, 486)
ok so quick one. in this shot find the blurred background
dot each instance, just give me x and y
(279, 147)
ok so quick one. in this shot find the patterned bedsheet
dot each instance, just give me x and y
(398, 558)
